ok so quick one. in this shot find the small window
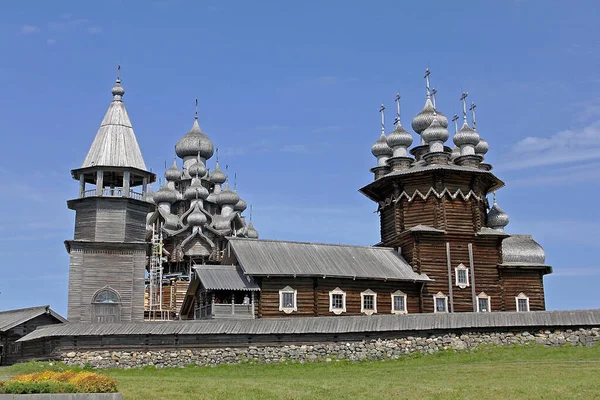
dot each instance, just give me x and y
(440, 303)
(368, 301)
(399, 302)
(337, 301)
(462, 276)
(522, 302)
(287, 300)
(483, 303)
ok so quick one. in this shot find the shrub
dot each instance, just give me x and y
(59, 382)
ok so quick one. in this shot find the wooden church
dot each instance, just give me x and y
(186, 251)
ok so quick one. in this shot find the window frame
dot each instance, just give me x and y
(294, 293)
(399, 293)
(337, 291)
(483, 296)
(363, 295)
(461, 267)
(437, 296)
(522, 296)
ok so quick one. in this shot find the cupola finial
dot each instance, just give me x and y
(119, 73)
(217, 151)
(454, 119)
(397, 108)
(381, 110)
(235, 181)
(433, 92)
(250, 213)
(463, 98)
(196, 117)
(472, 108)
(427, 73)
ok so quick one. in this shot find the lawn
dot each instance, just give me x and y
(492, 373)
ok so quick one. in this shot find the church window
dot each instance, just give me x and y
(462, 276)
(440, 303)
(106, 306)
(483, 303)
(287, 300)
(399, 302)
(368, 302)
(337, 301)
(522, 302)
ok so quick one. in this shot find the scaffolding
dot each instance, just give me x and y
(155, 300)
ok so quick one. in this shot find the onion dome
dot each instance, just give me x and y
(193, 143)
(195, 190)
(240, 206)
(173, 173)
(165, 195)
(213, 197)
(435, 132)
(423, 119)
(197, 169)
(217, 176)
(380, 148)
(222, 223)
(482, 147)
(466, 136)
(150, 195)
(251, 232)
(118, 90)
(196, 217)
(496, 218)
(228, 197)
(455, 152)
(399, 138)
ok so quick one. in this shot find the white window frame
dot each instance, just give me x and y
(399, 293)
(337, 311)
(482, 295)
(437, 296)
(521, 296)
(282, 307)
(461, 267)
(364, 294)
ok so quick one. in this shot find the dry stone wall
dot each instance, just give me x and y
(353, 351)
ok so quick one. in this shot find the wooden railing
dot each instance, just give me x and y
(114, 192)
(216, 310)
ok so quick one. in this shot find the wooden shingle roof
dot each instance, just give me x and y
(11, 318)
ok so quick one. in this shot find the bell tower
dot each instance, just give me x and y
(108, 251)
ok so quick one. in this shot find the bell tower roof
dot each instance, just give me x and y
(115, 144)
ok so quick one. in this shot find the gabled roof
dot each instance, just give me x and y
(279, 258)
(11, 318)
(224, 277)
(115, 144)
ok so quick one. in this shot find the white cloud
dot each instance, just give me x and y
(587, 172)
(576, 271)
(562, 147)
(51, 42)
(29, 29)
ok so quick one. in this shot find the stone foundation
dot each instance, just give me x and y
(353, 351)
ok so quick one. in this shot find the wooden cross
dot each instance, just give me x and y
(196, 108)
(119, 73)
(217, 151)
(464, 100)
(381, 110)
(427, 73)
(397, 108)
(454, 119)
(472, 108)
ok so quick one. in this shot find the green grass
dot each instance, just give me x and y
(491, 373)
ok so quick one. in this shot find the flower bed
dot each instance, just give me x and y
(58, 382)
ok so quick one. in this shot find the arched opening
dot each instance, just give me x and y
(106, 306)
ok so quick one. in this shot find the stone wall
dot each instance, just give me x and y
(353, 351)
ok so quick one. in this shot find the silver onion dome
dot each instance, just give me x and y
(196, 217)
(193, 143)
(173, 173)
(455, 152)
(466, 136)
(228, 197)
(240, 206)
(436, 132)
(482, 147)
(197, 169)
(399, 137)
(150, 195)
(423, 119)
(118, 90)
(213, 197)
(195, 190)
(251, 232)
(380, 148)
(217, 176)
(165, 195)
(496, 218)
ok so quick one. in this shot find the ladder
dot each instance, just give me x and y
(156, 272)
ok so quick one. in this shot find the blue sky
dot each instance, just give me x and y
(289, 92)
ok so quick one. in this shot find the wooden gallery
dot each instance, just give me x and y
(187, 251)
